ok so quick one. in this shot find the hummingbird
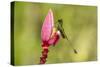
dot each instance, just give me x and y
(59, 26)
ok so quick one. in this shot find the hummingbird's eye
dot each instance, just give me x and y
(60, 20)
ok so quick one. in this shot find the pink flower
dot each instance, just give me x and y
(49, 35)
(48, 29)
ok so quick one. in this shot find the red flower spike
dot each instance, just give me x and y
(48, 36)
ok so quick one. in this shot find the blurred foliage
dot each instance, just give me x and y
(79, 22)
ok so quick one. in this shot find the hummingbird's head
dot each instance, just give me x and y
(60, 21)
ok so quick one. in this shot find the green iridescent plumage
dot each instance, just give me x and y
(59, 26)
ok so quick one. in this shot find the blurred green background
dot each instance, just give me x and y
(79, 22)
